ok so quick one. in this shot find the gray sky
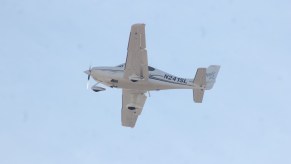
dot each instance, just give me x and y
(47, 115)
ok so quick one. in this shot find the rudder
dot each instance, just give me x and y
(211, 74)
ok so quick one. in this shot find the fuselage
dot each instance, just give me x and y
(157, 80)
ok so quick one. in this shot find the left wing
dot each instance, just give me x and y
(136, 66)
(132, 105)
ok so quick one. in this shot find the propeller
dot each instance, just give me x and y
(89, 75)
(149, 93)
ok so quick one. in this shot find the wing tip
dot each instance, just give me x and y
(127, 125)
(138, 24)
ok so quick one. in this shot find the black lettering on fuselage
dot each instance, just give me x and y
(175, 79)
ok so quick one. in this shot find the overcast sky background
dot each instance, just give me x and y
(48, 117)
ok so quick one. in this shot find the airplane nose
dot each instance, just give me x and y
(87, 72)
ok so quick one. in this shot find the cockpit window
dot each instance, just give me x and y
(151, 68)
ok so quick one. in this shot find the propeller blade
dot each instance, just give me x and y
(88, 85)
(89, 75)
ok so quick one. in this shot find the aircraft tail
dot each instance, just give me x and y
(204, 80)
(200, 83)
(211, 74)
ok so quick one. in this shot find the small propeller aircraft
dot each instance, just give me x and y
(135, 77)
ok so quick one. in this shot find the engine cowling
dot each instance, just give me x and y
(97, 89)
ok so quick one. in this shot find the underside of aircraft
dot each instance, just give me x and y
(135, 77)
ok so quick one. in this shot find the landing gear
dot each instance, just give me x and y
(96, 88)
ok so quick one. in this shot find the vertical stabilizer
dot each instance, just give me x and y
(211, 74)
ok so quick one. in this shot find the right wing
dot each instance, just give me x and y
(136, 66)
(132, 105)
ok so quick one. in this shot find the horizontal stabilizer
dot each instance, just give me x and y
(200, 77)
(200, 82)
(198, 95)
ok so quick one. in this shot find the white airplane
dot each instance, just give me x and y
(135, 78)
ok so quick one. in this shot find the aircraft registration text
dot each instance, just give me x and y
(175, 79)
